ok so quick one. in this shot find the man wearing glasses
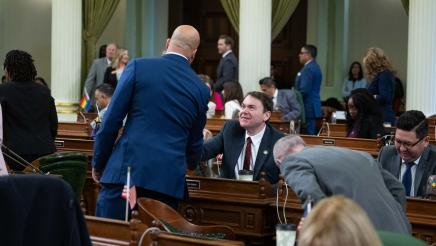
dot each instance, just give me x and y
(308, 83)
(412, 159)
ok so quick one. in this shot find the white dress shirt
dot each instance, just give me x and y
(413, 170)
(255, 143)
(226, 53)
(274, 99)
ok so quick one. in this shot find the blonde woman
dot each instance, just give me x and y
(113, 72)
(337, 221)
(380, 71)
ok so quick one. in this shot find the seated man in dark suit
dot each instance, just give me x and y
(284, 101)
(412, 159)
(247, 144)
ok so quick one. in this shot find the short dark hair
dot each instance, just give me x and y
(350, 73)
(268, 81)
(413, 120)
(311, 49)
(227, 40)
(106, 89)
(19, 65)
(266, 100)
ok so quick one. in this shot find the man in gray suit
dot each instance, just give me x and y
(319, 172)
(412, 159)
(97, 70)
(284, 101)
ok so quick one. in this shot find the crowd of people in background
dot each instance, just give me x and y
(371, 98)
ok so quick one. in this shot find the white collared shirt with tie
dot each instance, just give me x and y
(413, 171)
(255, 143)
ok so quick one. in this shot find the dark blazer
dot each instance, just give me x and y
(383, 86)
(40, 210)
(308, 83)
(288, 104)
(230, 142)
(30, 121)
(110, 78)
(227, 70)
(369, 127)
(391, 161)
(165, 103)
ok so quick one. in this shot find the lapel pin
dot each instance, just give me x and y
(265, 152)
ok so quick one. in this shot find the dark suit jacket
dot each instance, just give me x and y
(40, 210)
(227, 70)
(288, 104)
(30, 120)
(308, 83)
(391, 161)
(166, 104)
(383, 86)
(230, 142)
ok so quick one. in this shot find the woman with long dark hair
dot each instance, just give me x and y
(355, 79)
(364, 116)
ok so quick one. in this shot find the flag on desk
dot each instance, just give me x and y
(129, 194)
(85, 102)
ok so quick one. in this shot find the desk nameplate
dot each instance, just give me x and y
(193, 184)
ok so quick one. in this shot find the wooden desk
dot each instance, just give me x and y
(74, 130)
(242, 205)
(371, 146)
(74, 144)
(108, 232)
(104, 231)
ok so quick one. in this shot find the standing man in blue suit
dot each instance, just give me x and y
(165, 103)
(228, 67)
(308, 83)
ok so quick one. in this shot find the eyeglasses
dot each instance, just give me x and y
(407, 145)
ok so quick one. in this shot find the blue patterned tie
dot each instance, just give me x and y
(407, 177)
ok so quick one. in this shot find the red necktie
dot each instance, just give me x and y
(247, 158)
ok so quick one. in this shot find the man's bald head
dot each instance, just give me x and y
(185, 40)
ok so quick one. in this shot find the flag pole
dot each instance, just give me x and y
(128, 194)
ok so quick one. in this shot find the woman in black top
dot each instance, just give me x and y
(30, 120)
(364, 115)
(113, 72)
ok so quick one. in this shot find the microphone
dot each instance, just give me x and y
(430, 191)
(18, 159)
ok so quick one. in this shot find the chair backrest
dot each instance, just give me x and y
(72, 166)
(302, 117)
(156, 213)
(62, 156)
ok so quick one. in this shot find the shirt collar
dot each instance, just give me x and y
(308, 62)
(109, 62)
(226, 53)
(276, 93)
(415, 161)
(174, 53)
(255, 139)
